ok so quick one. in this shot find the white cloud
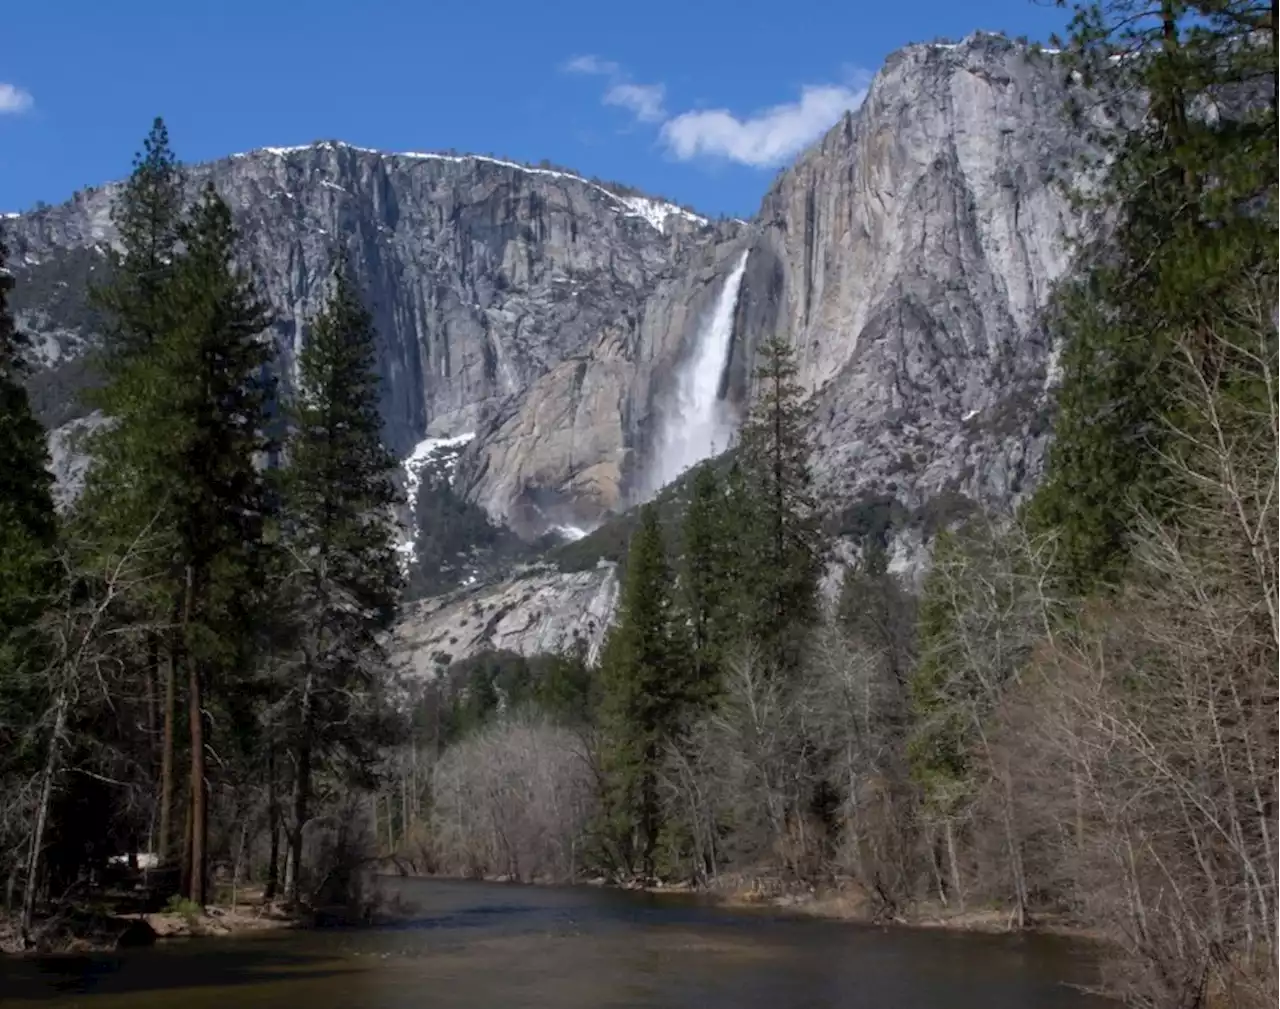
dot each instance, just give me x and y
(13, 100)
(591, 65)
(643, 100)
(766, 138)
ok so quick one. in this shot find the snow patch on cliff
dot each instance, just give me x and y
(414, 463)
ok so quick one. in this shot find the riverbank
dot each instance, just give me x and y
(850, 903)
(87, 929)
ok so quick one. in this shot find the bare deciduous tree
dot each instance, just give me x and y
(512, 800)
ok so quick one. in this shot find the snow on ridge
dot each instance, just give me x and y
(653, 212)
(656, 212)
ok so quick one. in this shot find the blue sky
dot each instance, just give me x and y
(698, 100)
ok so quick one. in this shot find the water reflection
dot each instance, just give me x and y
(488, 946)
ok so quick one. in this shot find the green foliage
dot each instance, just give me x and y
(337, 487)
(28, 532)
(1195, 211)
(938, 745)
(136, 463)
(148, 220)
(708, 586)
(878, 613)
(645, 686)
(564, 685)
(473, 693)
(776, 522)
(180, 905)
(343, 580)
(214, 359)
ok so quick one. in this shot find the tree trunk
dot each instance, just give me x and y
(301, 787)
(42, 814)
(198, 796)
(184, 885)
(235, 872)
(953, 865)
(164, 846)
(273, 827)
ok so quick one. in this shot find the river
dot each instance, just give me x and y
(492, 946)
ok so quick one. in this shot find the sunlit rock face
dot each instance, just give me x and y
(574, 331)
(483, 276)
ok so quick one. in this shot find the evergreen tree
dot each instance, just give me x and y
(28, 531)
(644, 690)
(214, 359)
(706, 571)
(129, 486)
(780, 531)
(147, 216)
(338, 497)
(564, 688)
(1194, 199)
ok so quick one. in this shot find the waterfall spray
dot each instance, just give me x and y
(699, 423)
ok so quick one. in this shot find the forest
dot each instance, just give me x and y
(1072, 724)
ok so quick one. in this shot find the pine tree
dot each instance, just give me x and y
(147, 216)
(644, 686)
(28, 531)
(214, 360)
(129, 486)
(1194, 200)
(781, 534)
(707, 595)
(337, 528)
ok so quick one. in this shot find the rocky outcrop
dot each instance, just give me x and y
(537, 611)
(68, 458)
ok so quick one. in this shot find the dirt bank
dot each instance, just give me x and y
(90, 929)
(849, 902)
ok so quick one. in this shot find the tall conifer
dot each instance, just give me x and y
(28, 529)
(129, 485)
(338, 532)
(1189, 181)
(215, 359)
(781, 533)
(644, 685)
(707, 594)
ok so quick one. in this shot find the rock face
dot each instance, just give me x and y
(919, 242)
(574, 446)
(481, 274)
(535, 612)
(907, 256)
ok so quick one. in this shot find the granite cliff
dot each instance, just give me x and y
(907, 256)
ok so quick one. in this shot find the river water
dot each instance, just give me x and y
(492, 946)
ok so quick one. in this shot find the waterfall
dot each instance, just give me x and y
(698, 423)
